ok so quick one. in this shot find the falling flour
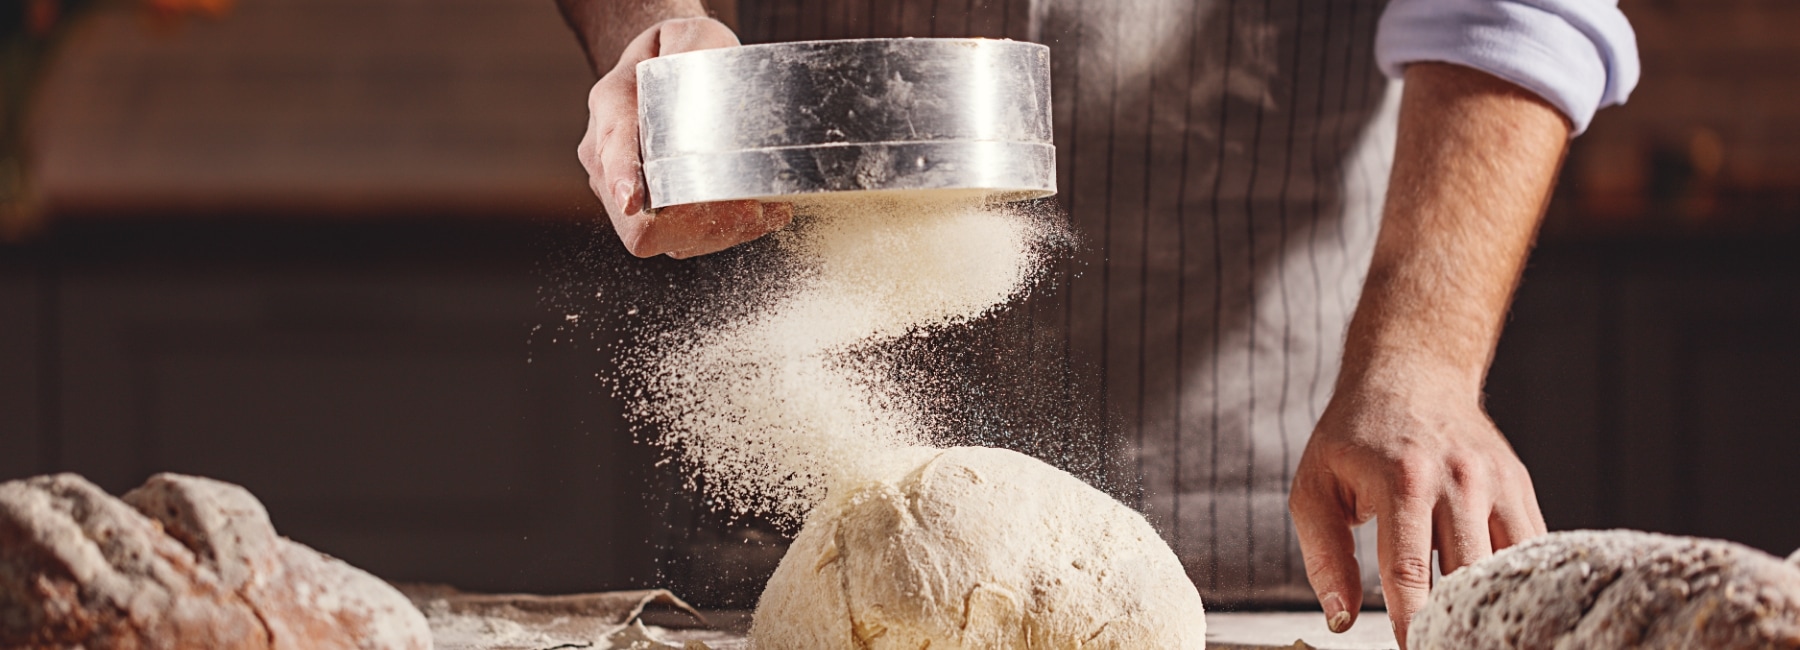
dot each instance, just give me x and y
(788, 409)
(771, 408)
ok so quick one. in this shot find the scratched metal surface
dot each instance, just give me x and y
(797, 120)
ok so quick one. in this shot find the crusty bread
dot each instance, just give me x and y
(181, 562)
(1615, 589)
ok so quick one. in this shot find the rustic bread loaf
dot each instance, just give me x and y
(1615, 589)
(181, 562)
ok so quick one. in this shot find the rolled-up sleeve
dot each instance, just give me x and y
(1579, 55)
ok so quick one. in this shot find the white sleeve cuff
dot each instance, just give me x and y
(1579, 55)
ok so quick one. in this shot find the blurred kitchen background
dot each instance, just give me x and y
(324, 249)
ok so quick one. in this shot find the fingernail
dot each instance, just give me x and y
(622, 193)
(1336, 616)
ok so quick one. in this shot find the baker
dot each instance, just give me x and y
(1297, 265)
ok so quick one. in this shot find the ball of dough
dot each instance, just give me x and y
(978, 548)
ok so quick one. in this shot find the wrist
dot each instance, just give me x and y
(1409, 331)
(605, 28)
(1402, 370)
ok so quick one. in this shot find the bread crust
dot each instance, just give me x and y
(1615, 589)
(181, 562)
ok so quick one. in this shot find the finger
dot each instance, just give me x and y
(1510, 524)
(1403, 540)
(617, 176)
(775, 216)
(1533, 513)
(614, 114)
(1322, 522)
(766, 218)
(1461, 527)
(695, 229)
(609, 146)
(612, 159)
(692, 35)
(588, 152)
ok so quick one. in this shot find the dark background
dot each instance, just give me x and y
(330, 250)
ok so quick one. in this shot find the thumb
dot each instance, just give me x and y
(691, 35)
(1322, 521)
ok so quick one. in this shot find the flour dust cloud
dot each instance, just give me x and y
(769, 407)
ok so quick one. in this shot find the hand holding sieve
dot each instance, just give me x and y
(809, 121)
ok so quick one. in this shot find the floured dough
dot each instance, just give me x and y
(978, 548)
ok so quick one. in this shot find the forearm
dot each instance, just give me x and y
(604, 27)
(1474, 164)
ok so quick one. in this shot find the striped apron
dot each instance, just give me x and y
(1222, 163)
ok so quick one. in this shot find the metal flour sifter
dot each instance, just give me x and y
(811, 121)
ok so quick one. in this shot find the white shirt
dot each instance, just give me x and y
(1579, 55)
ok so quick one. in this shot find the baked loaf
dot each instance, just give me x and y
(181, 562)
(1615, 589)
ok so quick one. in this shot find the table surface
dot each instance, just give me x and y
(1246, 630)
(656, 620)
(1224, 631)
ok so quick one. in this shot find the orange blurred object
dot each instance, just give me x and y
(173, 9)
(40, 16)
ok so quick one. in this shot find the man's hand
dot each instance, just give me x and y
(1427, 463)
(611, 154)
(1405, 440)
